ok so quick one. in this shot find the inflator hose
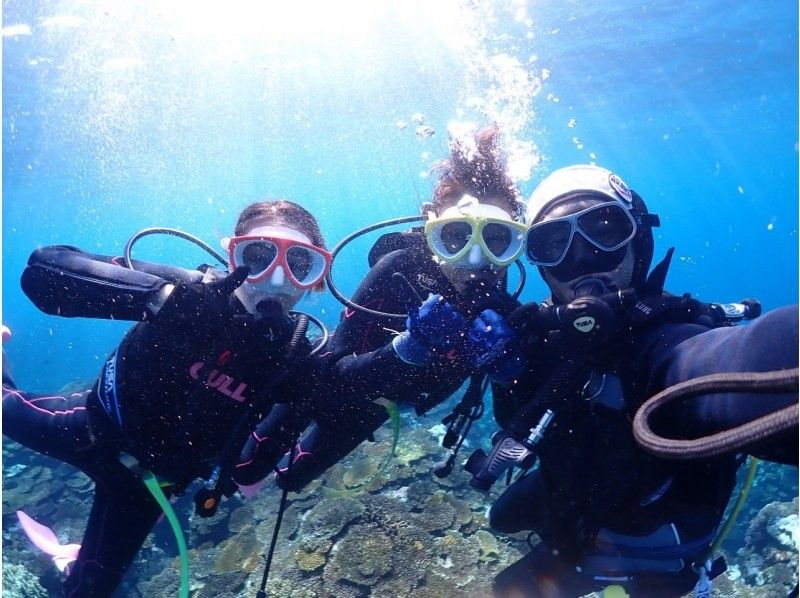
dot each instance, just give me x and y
(368, 229)
(168, 231)
(152, 485)
(726, 441)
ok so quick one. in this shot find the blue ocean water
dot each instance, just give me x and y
(120, 116)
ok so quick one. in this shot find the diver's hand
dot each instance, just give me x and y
(493, 348)
(436, 323)
(205, 302)
(433, 326)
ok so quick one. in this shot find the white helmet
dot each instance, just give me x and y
(580, 179)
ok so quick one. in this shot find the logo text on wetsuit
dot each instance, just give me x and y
(426, 281)
(110, 376)
(220, 382)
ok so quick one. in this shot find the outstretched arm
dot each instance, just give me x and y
(267, 443)
(65, 281)
(321, 447)
(68, 282)
(768, 343)
(364, 360)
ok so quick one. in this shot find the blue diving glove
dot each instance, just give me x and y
(433, 326)
(493, 347)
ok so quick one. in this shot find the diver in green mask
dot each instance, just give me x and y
(435, 297)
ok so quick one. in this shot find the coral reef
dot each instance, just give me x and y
(362, 557)
(19, 581)
(30, 486)
(327, 519)
(362, 530)
(238, 553)
(314, 559)
(436, 514)
(224, 585)
(241, 518)
(768, 560)
(289, 525)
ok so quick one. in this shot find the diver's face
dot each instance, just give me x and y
(276, 291)
(475, 272)
(586, 269)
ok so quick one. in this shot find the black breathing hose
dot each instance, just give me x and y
(168, 231)
(728, 440)
(341, 244)
(368, 229)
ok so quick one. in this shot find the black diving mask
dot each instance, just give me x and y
(608, 226)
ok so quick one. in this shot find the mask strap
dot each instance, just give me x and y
(651, 220)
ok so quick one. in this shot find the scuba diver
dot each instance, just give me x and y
(429, 310)
(610, 506)
(214, 358)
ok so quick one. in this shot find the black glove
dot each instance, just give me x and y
(202, 302)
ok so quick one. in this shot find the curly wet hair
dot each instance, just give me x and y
(479, 171)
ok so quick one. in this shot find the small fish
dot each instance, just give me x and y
(424, 131)
(63, 21)
(418, 118)
(16, 30)
(401, 124)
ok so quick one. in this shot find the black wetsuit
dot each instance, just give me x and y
(602, 505)
(180, 394)
(364, 366)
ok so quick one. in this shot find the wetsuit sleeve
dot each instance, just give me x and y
(342, 421)
(340, 424)
(507, 400)
(65, 281)
(364, 362)
(768, 343)
(363, 367)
